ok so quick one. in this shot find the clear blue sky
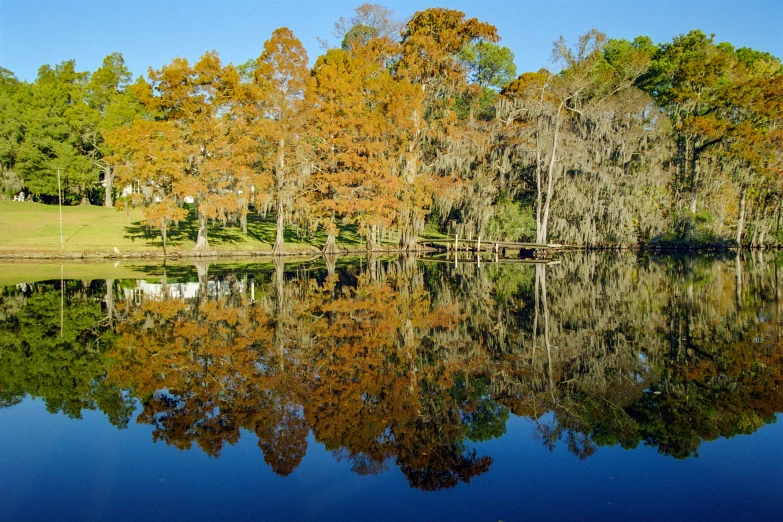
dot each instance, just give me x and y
(152, 33)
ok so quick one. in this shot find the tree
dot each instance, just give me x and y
(750, 151)
(489, 65)
(11, 130)
(549, 120)
(338, 120)
(55, 115)
(206, 153)
(281, 77)
(687, 79)
(430, 58)
(113, 104)
(151, 155)
(363, 126)
(370, 21)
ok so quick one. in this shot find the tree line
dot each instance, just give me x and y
(417, 123)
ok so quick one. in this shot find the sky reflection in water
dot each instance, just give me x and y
(397, 389)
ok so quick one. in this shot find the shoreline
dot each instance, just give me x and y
(7, 255)
(425, 246)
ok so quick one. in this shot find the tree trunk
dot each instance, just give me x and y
(541, 284)
(164, 283)
(331, 244)
(372, 267)
(738, 275)
(408, 241)
(202, 270)
(163, 230)
(331, 263)
(108, 178)
(279, 331)
(539, 190)
(741, 220)
(279, 286)
(694, 183)
(372, 239)
(757, 223)
(243, 210)
(542, 237)
(279, 248)
(202, 242)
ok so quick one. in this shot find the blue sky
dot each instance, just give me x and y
(152, 33)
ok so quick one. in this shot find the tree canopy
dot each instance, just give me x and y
(416, 122)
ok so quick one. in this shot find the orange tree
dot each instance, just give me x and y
(432, 41)
(208, 153)
(280, 82)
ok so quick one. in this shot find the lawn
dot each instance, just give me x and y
(34, 228)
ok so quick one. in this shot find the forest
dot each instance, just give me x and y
(415, 123)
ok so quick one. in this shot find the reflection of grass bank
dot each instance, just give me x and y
(34, 228)
(12, 273)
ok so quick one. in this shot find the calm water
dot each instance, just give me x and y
(600, 387)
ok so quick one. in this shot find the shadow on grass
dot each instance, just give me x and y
(260, 229)
(185, 230)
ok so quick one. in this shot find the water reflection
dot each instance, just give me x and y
(409, 364)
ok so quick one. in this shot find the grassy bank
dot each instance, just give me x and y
(34, 228)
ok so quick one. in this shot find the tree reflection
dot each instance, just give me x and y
(412, 364)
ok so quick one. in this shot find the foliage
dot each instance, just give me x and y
(419, 121)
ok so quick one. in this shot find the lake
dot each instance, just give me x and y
(593, 387)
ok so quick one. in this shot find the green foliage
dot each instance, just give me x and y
(55, 117)
(359, 34)
(692, 231)
(489, 64)
(512, 222)
(57, 354)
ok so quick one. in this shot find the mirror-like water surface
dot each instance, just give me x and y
(599, 386)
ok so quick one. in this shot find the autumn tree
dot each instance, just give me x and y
(361, 120)
(209, 154)
(750, 151)
(430, 58)
(151, 154)
(281, 77)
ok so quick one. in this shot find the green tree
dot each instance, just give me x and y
(11, 130)
(688, 78)
(55, 117)
(113, 104)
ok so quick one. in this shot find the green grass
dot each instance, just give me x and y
(30, 228)
(431, 232)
